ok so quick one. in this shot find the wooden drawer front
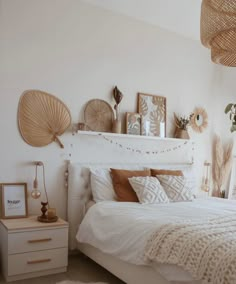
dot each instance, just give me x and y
(37, 240)
(37, 261)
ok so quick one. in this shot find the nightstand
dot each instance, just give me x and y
(30, 248)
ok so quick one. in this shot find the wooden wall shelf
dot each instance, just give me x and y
(121, 135)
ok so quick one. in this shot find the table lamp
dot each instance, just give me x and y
(48, 213)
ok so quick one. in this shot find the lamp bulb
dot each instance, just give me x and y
(35, 193)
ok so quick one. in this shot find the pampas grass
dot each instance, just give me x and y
(221, 165)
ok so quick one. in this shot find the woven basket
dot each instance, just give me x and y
(218, 30)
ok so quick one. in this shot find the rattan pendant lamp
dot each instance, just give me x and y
(218, 30)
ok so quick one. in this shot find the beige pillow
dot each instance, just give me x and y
(122, 187)
(148, 190)
(155, 172)
(177, 188)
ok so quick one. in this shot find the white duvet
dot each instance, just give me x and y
(123, 228)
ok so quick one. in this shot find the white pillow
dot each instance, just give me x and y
(148, 190)
(177, 188)
(101, 185)
(189, 171)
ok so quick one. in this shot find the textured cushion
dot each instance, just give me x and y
(148, 190)
(177, 188)
(122, 187)
(155, 172)
(101, 185)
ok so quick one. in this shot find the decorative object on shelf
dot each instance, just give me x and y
(14, 200)
(206, 177)
(221, 165)
(222, 194)
(199, 120)
(133, 123)
(218, 30)
(153, 111)
(118, 96)
(231, 109)
(36, 193)
(181, 126)
(42, 118)
(98, 115)
(81, 126)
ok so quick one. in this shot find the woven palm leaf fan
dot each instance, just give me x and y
(218, 30)
(42, 118)
(98, 115)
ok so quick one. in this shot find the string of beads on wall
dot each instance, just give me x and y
(150, 152)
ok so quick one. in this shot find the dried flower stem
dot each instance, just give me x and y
(118, 96)
(222, 163)
(182, 122)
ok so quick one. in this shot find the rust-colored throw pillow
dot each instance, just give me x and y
(122, 187)
(156, 172)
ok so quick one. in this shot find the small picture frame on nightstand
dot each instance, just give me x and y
(13, 200)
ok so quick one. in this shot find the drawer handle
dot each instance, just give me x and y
(38, 261)
(39, 240)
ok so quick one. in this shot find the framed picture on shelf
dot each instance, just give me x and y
(133, 123)
(14, 200)
(153, 111)
(232, 183)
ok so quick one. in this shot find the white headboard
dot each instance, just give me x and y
(172, 153)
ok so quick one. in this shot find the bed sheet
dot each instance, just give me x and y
(123, 228)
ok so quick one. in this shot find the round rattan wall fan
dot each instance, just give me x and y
(42, 118)
(98, 115)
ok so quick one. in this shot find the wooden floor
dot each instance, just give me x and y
(80, 268)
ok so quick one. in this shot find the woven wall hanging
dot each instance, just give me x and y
(98, 115)
(218, 30)
(42, 118)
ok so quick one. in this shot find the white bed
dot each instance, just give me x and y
(122, 262)
(122, 229)
(126, 270)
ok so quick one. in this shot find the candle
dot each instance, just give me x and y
(147, 128)
(51, 213)
(162, 129)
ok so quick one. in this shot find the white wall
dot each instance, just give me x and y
(79, 52)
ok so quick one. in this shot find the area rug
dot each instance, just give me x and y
(78, 282)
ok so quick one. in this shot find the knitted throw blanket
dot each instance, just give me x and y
(206, 249)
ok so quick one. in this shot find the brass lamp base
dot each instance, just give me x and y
(44, 210)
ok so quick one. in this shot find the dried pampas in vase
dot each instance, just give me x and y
(221, 166)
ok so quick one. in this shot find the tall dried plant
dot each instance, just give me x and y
(118, 96)
(221, 165)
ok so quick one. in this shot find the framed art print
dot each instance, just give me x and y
(14, 200)
(153, 111)
(133, 123)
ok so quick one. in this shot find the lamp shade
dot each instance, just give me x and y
(218, 30)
